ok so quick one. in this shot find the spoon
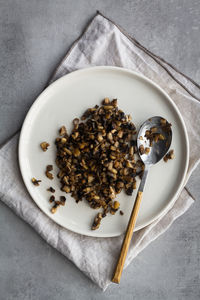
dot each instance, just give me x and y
(156, 152)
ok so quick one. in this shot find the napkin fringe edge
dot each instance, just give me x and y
(155, 57)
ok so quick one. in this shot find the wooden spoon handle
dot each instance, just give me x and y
(127, 239)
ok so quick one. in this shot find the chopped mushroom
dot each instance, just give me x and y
(147, 150)
(161, 137)
(52, 199)
(49, 168)
(50, 189)
(62, 200)
(106, 101)
(44, 146)
(153, 135)
(114, 207)
(169, 155)
(163, 122)
(48, 174)
(153, 129)
(97, 221)
(35, 181)
(54, 208)
(63, 131)
(141, 149)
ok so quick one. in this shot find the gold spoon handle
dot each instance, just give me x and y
(129, 231)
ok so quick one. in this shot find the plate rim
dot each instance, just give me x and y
(176, 194)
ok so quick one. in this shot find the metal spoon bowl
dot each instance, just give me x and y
(157, 150)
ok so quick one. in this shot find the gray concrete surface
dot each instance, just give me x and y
(34, 35)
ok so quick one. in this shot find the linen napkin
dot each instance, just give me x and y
(105, 43)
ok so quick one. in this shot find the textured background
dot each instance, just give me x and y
(34, 36)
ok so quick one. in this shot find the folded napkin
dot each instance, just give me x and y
(104, 43)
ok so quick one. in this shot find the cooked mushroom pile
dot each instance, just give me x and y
(97, 160)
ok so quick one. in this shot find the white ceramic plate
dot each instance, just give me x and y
(68, 98)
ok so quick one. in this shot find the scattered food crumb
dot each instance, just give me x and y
(50, 189)
(52, 199)
(35, 181)
(97, 221)
(48, 169)
(54, 208)
(147, 150)
(141, 149)
(62, 200)
(169, 155)
(63, 131)
(44, 146)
